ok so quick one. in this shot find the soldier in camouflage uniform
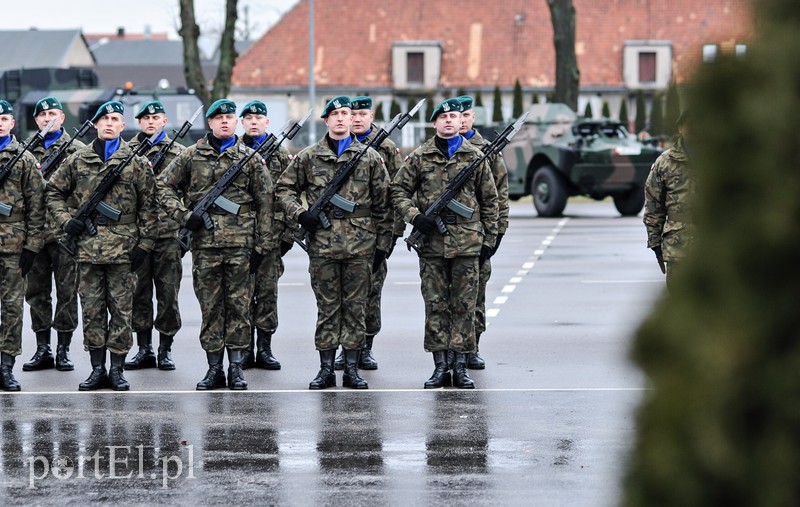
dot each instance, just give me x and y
(500, 174)
(344, 256)
(265, 299)
(669, 190)
(107, 261)
(225, 257)
(21, 225)
(52, 261)
(162, 268)
(449, 265)
(364, 131)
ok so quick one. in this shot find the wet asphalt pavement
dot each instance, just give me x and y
(550, 423)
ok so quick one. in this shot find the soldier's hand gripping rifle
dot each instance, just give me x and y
(5, 171)
(447, 199)
(54, 159)
(330, 194)
(158, 160)
(87, 213)
(215, 198)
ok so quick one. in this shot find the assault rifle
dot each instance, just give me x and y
(447, 199)
(214, 196)
(5, 171)
(331, 196)
(178, 134)
(54, 159)
(95, 205)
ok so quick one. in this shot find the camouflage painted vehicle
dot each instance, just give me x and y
(558, 155)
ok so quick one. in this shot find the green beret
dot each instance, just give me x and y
(45, 104)
(254, 107)
(684, 116)
(112, 106)
(466, 102)
(335, 103)
(361, 103)
(152, 107)
(221, 106)
(446, 106)
(6, 108)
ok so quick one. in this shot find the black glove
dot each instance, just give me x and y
(380, 257)
(74, 227)
(255, 261)
(486, 253)
(308, 221)
(660, 259)
(286, 246)
(26, 261)
(194, 223)
(137, 258)
(391, 245)
(424, 224)
(497, 243)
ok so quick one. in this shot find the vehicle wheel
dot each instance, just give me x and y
(630, 203)
(549, 192)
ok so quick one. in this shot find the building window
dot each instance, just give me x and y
(647, 67)
(416, 65)
(647, 64)
(709, 53)
(415, 68)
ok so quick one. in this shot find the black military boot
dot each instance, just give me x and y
(461, 378)
(145, 358)
(165, 361)
(338, 363)
(215, 377)
(115, 378)
(43, 357)
(441, 373)
(351, 377)
(325, 378)
(264, 358)
(98, 379)
(367, 362)
(248, 354)
(63, 362)
(7, 380)
(235, 374)
(474, 360)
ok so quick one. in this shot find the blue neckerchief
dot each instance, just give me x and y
(470, 134)
(52, 137)
(111, 147)
(227, 143)
(453, 144)
(344, 144)
(258, 141)
(363, 136)
(161, 136)
(4, 142)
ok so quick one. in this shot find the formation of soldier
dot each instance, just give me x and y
(120, 216)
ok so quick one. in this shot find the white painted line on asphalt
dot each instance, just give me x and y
(516, 279)
(499, 300)
(408, 283)
(538, 252)
(527, 265)
(337, 390)
(622, 281)
(522, 272)
(509, 288)
(492, 312)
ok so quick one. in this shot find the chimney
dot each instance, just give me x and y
(121, 32)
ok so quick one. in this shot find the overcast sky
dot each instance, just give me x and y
(104, 16)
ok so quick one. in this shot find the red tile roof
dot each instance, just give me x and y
(484, 42)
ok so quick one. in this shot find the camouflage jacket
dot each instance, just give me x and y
(500, 174)
(51, 231)
(391, 157)
(668, 191)
(425, 175)
(133, 195)
(23, 190)
(167, 227)
(277, 164)
(194, 173)
(367, 186)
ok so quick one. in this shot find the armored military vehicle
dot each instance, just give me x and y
(558, 155)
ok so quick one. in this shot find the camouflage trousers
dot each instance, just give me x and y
(107, 305)
(341, 287)
(485, 272)
(164, 270)
(449, 289)
(265, 300)
(373, 316)
(224, 289)
(53, 262)
(673, 267)
(12, 292)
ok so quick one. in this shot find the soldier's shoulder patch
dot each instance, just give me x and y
(38, 165)
(500, 154)
(397, 150)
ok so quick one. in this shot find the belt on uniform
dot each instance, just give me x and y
(243, 208)
(359, 213)
(123, 220)
(453, 218)
(14, 217)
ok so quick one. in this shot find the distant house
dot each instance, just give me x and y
(33, 49)
(406, 49)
